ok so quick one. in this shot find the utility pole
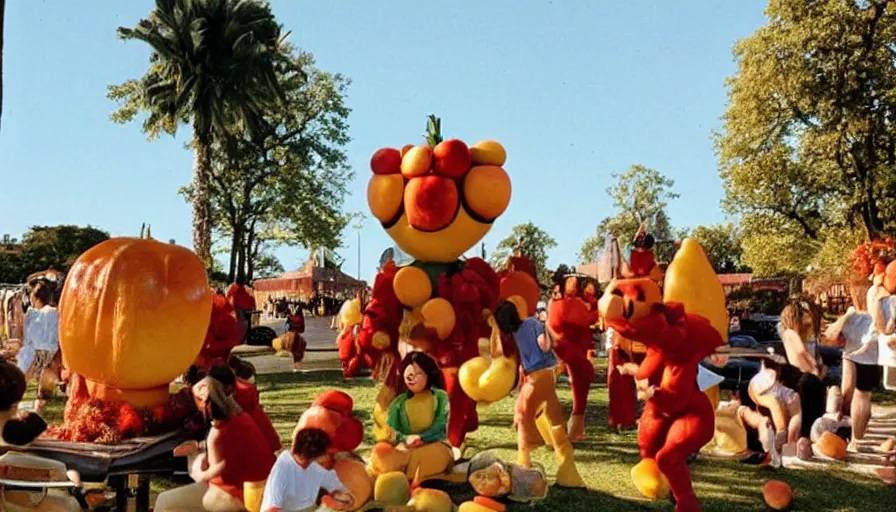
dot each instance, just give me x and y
(358, 219)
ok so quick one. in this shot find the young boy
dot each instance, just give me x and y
(297, 478)
(537, 391)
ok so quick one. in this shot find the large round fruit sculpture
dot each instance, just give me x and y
(436, 201)
(132, 317)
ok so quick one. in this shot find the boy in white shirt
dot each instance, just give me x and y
(297, 477)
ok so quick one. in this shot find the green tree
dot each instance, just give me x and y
(43, 247)
(808, 145)
(640, 194)
(289, 187)
(530, 240)
(211, 66)
(722, 243)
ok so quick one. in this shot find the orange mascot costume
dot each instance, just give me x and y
(224, 333)
(436, 201)
(678, 419)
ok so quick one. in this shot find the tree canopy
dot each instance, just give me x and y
(807, 151)
(640, 194)
(722, 243)
(43, 247)
(531, 241)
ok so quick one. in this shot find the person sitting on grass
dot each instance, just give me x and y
(245, 395)
(298, 477)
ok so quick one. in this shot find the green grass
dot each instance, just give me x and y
(604, 460)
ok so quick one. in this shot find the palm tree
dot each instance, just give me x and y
(212, 66)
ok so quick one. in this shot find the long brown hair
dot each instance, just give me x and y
(802, 315)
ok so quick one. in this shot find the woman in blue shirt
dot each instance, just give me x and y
(537, 392)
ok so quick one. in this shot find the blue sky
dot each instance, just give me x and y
(574, 89)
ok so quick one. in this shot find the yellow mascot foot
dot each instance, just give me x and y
(567, 473)
(649, 480)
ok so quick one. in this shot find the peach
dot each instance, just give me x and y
(412, 286)
(405, 149)
(451, 158)
(777, 494)
(487, 192)
(386, 161)
(384, 196)
(416, 162)
(438, 314)
(431, 202)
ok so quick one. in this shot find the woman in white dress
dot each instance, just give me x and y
(41, 338)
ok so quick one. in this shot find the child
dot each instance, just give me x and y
(297, 477)
(536, 391)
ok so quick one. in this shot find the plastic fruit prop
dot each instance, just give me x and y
(392, 488)
(649, 481)
(354, 477)
(133, 316)
(490, 379)
(691, 281)
(386, 161)
(481, 504)
(777, 494)
(832, 446)
(438, 224)
(431, 500)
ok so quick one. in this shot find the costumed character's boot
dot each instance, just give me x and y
(567, 473)
(381, 430)
(649, 480)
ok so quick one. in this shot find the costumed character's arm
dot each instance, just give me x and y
(438, 431)
(396, 418)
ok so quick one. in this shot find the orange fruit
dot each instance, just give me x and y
(487, 192)
(488, 152)
(416, 162)
(451, 158)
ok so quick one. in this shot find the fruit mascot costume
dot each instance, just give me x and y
(569, 324)
(224, 333)
(689, 325)
(350, 321)
(621, 388)
(436, 201)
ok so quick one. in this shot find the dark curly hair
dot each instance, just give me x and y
(507, 317)
(428, 365)
(242, 369)
(223, 374)
(12, 385)
(310, 443)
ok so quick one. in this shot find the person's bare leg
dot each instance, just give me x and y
(859, 416)
(848, 385)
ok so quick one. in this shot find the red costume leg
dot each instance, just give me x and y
(581, 374)
(652, 431)
(621, 389)
(687, 434)
(347, 350)
(462, 417)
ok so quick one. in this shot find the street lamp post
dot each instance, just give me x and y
(358, 224)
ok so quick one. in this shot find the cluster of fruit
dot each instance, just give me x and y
(434, 181)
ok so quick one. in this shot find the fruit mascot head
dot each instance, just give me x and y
(680, 329)
(436, 201)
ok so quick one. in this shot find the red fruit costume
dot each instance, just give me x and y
(331, 412)
(224, 333)
(678, 419)
(569, 322)
(436, 201)
(623, 404)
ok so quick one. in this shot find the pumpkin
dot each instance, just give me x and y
(354, 477)
(132, 317)
(831, 445)
(777, 494)
(392, 488)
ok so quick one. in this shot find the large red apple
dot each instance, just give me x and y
(386, 161)
(431, 202)
(452, 158)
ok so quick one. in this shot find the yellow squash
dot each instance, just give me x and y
(691, 281)
(488, 380)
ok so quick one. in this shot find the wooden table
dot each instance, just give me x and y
(142, 458)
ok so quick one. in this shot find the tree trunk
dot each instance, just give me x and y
(202, 228)
(2, 11)
(236, 237)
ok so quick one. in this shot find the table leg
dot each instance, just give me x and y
(143, 494)
(120, 484)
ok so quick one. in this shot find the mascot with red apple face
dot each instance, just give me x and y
(436, 201)
(678, 419)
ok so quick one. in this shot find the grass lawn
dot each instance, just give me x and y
(604, 460)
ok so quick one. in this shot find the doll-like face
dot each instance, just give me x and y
(415, 379)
